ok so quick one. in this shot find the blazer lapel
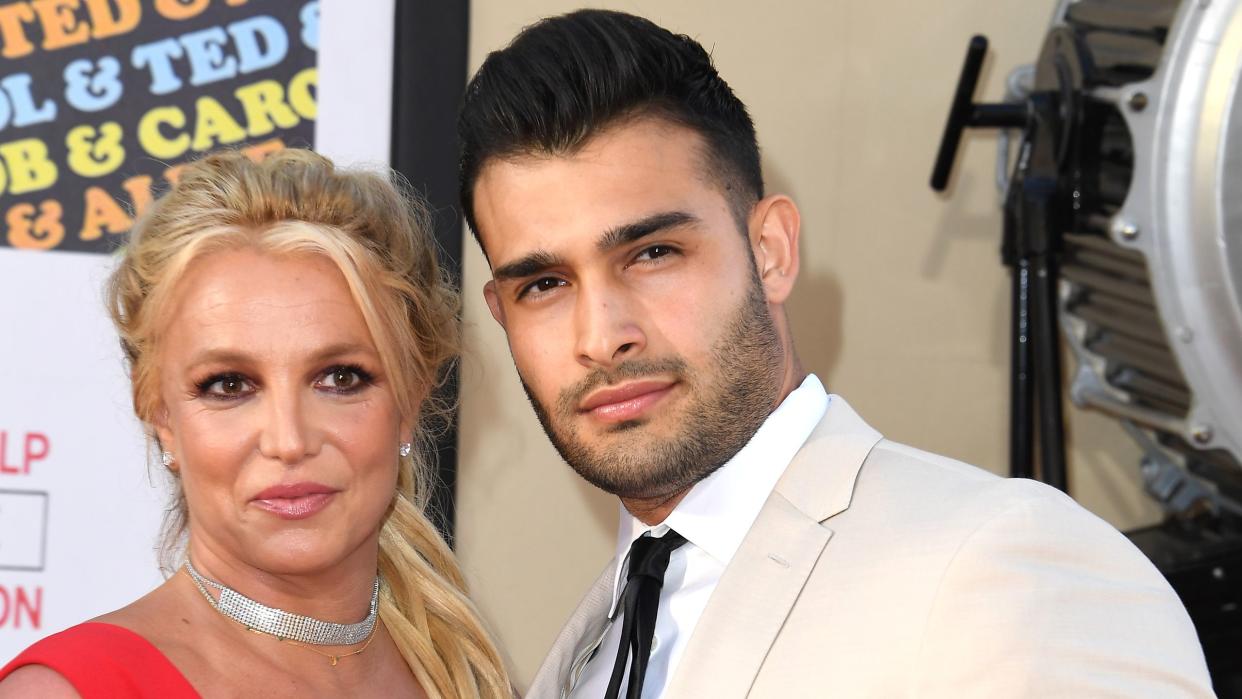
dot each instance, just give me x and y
(579, 637)
(750, 603)
(820, 479)
(762, 582)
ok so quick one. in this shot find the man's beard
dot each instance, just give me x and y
(726, 404)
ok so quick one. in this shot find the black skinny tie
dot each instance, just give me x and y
(648, 561)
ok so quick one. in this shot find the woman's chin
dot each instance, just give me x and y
(301, 555)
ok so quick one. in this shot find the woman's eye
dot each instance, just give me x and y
(225, 386)
(344, 379)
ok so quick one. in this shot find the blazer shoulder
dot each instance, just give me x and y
(902, 483)
(982, 498)
(935, 499)
(907, 462)
(1038, 584)
(1014, 573)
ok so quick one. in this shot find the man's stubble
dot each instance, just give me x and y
(726, 404)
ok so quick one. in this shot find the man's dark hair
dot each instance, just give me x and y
(564, 79)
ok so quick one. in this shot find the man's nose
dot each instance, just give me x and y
(607, 331)
(287, 435)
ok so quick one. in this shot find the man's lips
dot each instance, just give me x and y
(294, 500)
(627, 401)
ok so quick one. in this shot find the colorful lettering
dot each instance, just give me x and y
(19, 101)
(214, 125)
(95, 152)
(104, 24)
(180, 9)
(29, 169)
(309, 16)
(92, 86)
(261, 43)
(36, 448)
(208, 63)
(102, 214)
(35, 229)
(301, 96)
(61, 27)
(157, 57)
(126, 90)
(152, 139)
(13, 605)
(13, 18)
(34, 611)
(265, 107)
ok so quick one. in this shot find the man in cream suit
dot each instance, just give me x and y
(771, 544)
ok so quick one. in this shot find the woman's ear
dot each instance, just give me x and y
(164, 436)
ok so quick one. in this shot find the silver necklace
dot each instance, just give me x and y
(256, 616)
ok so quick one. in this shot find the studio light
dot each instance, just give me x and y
(1123, 227)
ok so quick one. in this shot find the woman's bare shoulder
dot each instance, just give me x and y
(147, 615)
(36, 681)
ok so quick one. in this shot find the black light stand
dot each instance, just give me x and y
(1036, 210)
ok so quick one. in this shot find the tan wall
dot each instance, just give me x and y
(902, 305)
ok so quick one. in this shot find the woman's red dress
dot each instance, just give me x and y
(103, 660)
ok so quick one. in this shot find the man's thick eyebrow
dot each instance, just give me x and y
(529, 265)
(630, 232)
(541, 260)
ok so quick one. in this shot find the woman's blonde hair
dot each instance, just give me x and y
(296, 202)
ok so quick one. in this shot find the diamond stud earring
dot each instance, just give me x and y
(406, 448)
(167, 458)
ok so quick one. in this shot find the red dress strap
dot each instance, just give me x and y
(105, 660)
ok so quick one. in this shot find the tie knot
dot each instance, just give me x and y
(649, 555)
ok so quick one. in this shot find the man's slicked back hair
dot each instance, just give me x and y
(564, 79)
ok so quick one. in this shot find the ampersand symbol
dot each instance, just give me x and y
(95, 152)
(92, 86)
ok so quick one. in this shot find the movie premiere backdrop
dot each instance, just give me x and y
(101, 104)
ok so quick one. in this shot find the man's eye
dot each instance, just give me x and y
(345, 379)
(225, 386)
(655, 251)
(541, 286)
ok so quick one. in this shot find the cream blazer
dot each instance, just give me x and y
(877, 570)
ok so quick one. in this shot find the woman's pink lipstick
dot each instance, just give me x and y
(294, 500)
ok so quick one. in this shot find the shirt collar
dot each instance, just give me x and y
(718, 511)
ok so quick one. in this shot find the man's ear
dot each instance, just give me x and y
(774, 227)
(493, 302)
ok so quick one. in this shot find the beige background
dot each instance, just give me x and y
(902, 305)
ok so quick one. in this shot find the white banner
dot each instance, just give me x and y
(79, 513)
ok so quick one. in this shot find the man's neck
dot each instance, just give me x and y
(652, 511)
(793, 377)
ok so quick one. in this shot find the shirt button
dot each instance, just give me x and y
(655, 645)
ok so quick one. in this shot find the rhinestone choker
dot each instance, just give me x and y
(281, 624)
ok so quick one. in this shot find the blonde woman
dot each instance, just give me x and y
(284, 324)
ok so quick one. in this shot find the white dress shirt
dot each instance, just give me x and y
(714, 518)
